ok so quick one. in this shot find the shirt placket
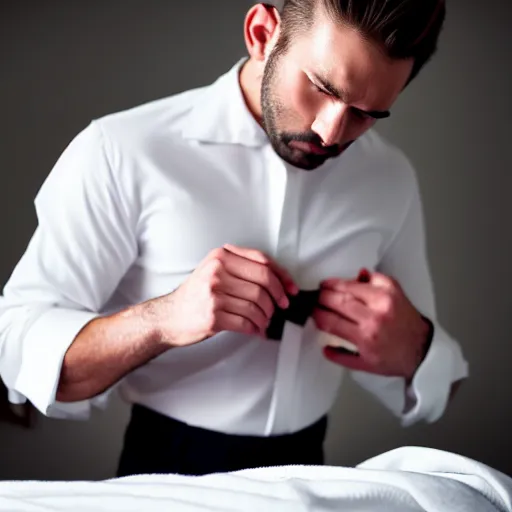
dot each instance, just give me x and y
(285, 251)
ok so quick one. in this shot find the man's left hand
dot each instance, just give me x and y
(376, 316)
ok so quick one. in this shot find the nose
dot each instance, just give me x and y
(330, 123)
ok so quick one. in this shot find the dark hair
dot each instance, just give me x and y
(403, 28)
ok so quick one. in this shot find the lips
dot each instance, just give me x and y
(308, 147)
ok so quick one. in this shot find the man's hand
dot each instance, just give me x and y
(232, 289)
(379, 319)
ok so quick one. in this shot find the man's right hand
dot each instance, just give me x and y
(232, 289)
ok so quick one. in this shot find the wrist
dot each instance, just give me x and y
(166, 323)
(155, 327)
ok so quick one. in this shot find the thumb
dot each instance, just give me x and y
(257, 256)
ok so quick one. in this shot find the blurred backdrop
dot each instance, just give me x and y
(63, 63)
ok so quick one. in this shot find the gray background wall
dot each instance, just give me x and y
(63, 63)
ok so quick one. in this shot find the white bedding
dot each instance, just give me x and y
(407, 479)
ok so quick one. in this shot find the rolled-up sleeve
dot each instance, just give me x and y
(83, 245)
(405, 259)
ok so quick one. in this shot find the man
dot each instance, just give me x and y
(170, 235)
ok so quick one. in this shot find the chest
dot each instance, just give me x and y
(315, 226)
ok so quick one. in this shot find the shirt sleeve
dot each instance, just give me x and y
(83, 245)
(405, 259)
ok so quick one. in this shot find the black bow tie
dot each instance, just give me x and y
(300, 309)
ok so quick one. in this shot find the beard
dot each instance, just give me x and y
(275, 113)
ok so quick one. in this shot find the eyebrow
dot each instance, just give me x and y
(342, 95)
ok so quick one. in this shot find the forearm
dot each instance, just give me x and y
(107, 349)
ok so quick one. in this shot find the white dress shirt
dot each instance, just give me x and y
(140, 197)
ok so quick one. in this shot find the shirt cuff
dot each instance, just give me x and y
(44, 348)
(428, 394)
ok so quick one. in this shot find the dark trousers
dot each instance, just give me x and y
(154, 443)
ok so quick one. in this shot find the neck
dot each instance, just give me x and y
(250, 78)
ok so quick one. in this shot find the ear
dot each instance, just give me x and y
(261, 29)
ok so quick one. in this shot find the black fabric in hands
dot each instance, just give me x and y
(300, 309)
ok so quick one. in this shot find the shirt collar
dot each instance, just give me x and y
(221, 115)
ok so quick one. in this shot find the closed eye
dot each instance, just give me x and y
(361, 114)
(321, 89)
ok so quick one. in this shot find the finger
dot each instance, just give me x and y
(381, 280)
(236, 287)
(344, 304)
(257, 273)
(246, 309)
(285, 278)
(259, 257)
(332, 323)
(235, 323)
(356, 362)
(365, 292)
(350, 361)
(364, 276)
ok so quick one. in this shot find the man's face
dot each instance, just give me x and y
(329, 88)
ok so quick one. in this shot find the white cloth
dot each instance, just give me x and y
(404, 480)
(140, 197)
